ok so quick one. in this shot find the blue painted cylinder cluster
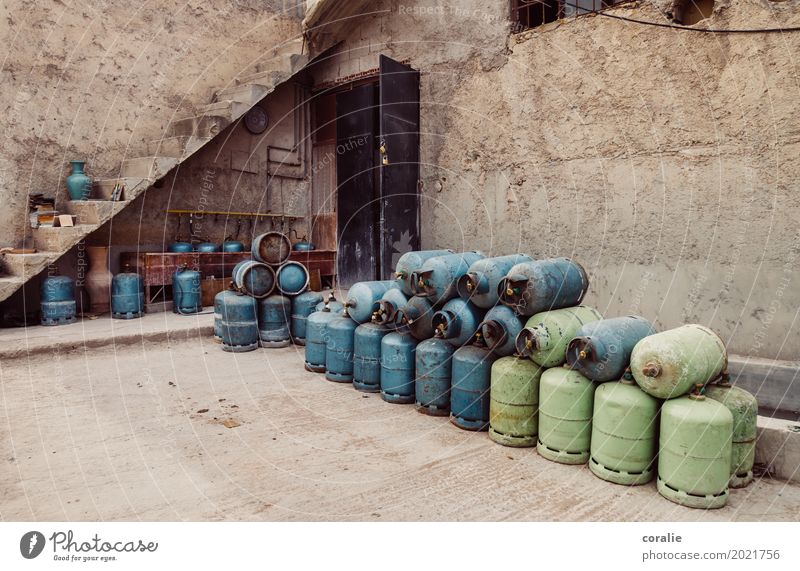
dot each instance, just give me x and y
(186, 295)
(385, 310)
(302, 306)
(367, 356)
(179, 247)
(127, 296)
(58, 300)
(458, 321)
(339, 349)
(433, 375)
(500, 328)
(437, 277)
(256, 279)
(479, 285)
(207, 247)
(543, 285)
(238, 323)
(397, 368)
(416, 318)
(469, 387)
(292, 278)
(601, 350)
(219, 301)
(362, 297)
(274, 313)
(317, 337)
(411, 262)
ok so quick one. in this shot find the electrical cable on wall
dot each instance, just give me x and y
(679, 27)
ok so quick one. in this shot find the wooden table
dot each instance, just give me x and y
(156, 268)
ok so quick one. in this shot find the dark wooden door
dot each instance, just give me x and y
(357, 203)
(399, 171)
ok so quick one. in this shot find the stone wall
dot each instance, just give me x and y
(664, 161)
(98, 80)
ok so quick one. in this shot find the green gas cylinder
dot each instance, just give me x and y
(547, 334)
(566, 399)
(514, 402)
(624, 433)
(744, 408)
(668, 364)
(694, 460)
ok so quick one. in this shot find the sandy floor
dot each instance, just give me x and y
(120, 434)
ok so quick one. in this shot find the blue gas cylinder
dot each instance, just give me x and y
(362, 297)
(317, 337)
(179, 247)
(219, 300)
(303, 305)
(232, 246)
(438, 276)
(479, 284)
(206, 247)
(500, 328)
(543, 285)
(339, 349)
(238, 323)
(186, 296)
(601, 350)
(127, 296)
(416, 318)
(458, 321)
(471, 376)
(274, 313)
(433, 373)
(409, 263)
(256, 279)
(384, 311)
(58, 300)
(367, 356)
(397, 368)
(292, 278)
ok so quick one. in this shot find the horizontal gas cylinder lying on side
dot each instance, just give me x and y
(362, 297)
(545, 336)
(543, 285)
(601, 350)
(409, 263)
(479, 284)
(437, 277)
(457, 322)
(669, 364)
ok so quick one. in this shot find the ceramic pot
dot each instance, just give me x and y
(79, 185)
(98, 279)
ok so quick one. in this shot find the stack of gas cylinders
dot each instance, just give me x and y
(503, 344)
(265, 305)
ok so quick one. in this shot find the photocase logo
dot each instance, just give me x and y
(31, 544)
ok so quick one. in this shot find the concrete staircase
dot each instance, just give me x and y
(183, 137)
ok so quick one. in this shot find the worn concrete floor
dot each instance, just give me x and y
(119, 433)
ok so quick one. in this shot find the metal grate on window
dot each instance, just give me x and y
(526, 14)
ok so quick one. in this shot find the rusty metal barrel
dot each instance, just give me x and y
(272, 248)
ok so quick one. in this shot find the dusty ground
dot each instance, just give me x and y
(118, 434)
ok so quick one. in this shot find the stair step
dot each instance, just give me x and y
(202, 126)
(178, 147)
(292, 63)
(153, 167)
(231, 110)
(102, 189)
(269, 79)
(49, 238)
(247, 93)
(27, 265)
(10, 284)
(95, 211)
